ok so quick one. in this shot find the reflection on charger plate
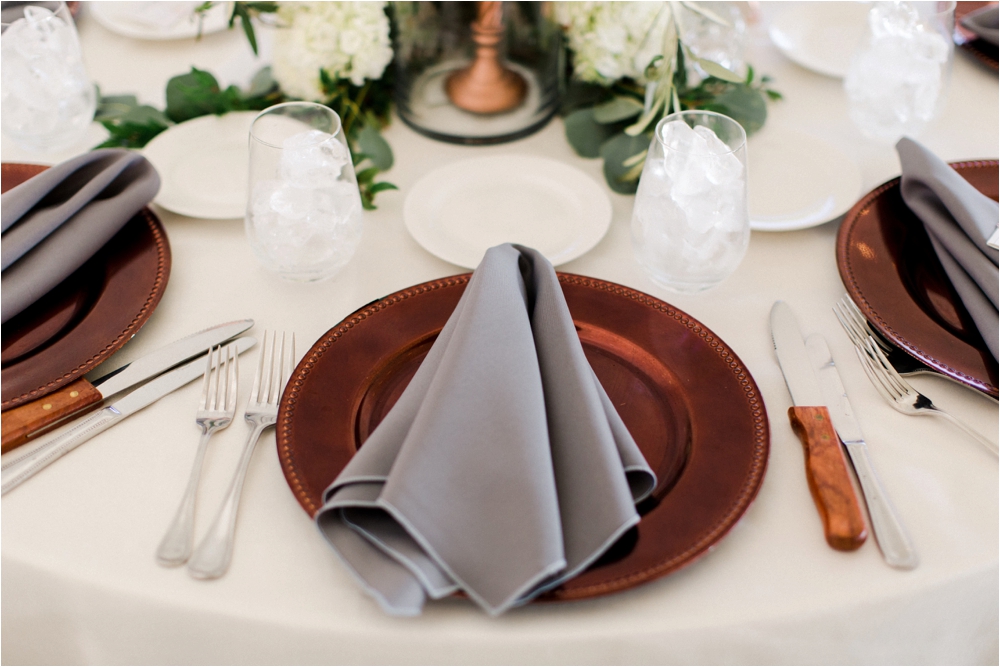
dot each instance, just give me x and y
(797, 180)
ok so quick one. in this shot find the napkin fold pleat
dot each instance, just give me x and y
(503, 469)
(959, 220)
(57, 220)
(985, 23)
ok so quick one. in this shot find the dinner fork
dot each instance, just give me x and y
(901, 395)
(274, 366)
(215, 412)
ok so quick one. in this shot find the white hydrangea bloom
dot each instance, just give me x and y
(350, 40)
(611, 40)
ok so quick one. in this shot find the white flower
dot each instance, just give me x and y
(350, 40)
(611, 40)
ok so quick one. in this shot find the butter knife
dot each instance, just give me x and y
(890, 535)
(25, 466)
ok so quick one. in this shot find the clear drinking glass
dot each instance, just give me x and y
(304, 210)
(690, 221)
(48, 101)
(897, 82)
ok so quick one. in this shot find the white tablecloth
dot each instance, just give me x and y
(80, 584)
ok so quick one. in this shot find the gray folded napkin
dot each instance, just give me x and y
(984, 22)
(959, 220)
(56, 221)
(503, 469)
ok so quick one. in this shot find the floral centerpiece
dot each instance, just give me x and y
(630, 66)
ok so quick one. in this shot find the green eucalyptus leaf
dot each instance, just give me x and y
(700, 8)
(375, 147)
(617, 109)
(193, 94)
(743, 104)
(379, 187)
(616, 151)
(584, 134)
(114, 106)
(262, 84)
(659, 102)
(129, 135)
(366, 176)
(716, 70)
(144, 114)
(580, 94)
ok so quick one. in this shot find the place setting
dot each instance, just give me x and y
(664, 375)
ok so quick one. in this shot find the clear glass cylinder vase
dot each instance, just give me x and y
(435, 42)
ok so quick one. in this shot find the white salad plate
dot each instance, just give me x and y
(458, 211)
(796, 180)
(820, 36)
(160, 20)
(204, 165)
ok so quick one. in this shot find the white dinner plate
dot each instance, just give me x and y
(797, 180)
(160, 20)
(459, 211)
(821, 36)
(204, 165)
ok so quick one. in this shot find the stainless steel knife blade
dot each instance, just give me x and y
(19, 469)
(894, 542)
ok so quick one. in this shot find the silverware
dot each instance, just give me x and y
(26, 422)
(859, 330)
(274, 366)
(215, 412)
(901, 395)
(826, 469)
(895, 544)
(20, 468)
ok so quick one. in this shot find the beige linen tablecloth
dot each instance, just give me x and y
(79, 583)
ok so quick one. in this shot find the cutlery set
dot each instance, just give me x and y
(158, 374)
(823, 419)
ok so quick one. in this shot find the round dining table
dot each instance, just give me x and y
(80, 584)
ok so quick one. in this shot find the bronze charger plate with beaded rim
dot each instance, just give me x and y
(687, 399)
(89, 316)
(892, 273)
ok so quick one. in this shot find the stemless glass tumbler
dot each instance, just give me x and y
(690, 221)
(897, 82)
(48, 101)
(303, 210)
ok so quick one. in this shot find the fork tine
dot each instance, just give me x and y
(848, 324)
(207, 380)
(881, 366)
(233, 373)
(259, 374)
(866, 364)
(859, 319)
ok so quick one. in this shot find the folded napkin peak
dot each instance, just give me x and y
(959, 221)
(503, 469)
(55, 221)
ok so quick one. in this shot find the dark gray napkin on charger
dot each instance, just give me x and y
(503, 469)
(959, 220)
(984, 22)
(57, 220)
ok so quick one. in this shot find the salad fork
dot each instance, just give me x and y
(215, 412)
(901, 395)
(274, 366)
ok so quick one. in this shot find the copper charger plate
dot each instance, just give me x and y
(893, 275)
(688, 400)
(90, 315)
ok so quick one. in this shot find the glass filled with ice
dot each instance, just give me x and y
(690, 221)
(897, 81)
(303, 210)
(48, 101)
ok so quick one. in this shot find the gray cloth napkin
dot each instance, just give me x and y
(57, 220)
(503, 469)
(984, 22)
(959, 220)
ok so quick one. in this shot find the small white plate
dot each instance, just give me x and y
(459, 211)
(821, 36)
(160, 20)
(204, 165)
(797, 180)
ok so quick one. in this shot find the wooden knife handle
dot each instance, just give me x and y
(27, 421)
(829, 479)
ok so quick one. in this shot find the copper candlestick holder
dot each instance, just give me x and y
(486, 86)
